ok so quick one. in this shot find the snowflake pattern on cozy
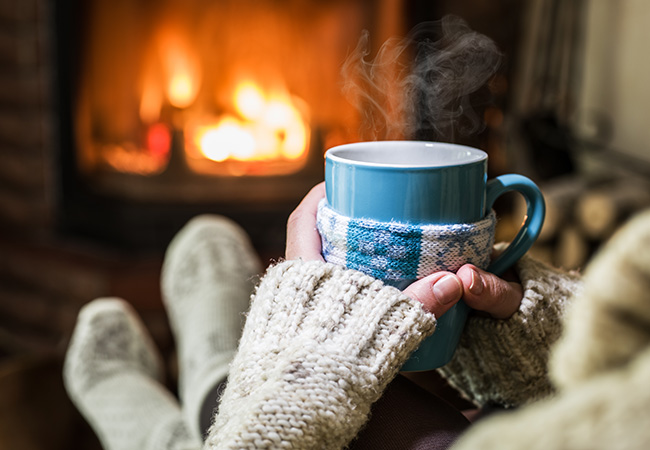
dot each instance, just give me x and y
(396, 251)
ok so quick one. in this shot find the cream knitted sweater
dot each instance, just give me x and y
(600, 365)
(319, 346)
(321, 343)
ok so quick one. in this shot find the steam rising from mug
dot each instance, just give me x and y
(419, 85)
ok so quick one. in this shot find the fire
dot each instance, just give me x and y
(182, 70)
(151, 101)
(228, 139)
(265, 127)
(181, 90)
(249, 100)
(253, 131)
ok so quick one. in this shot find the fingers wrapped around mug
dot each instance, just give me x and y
(438, 292)
(486, 292)
(303, 240)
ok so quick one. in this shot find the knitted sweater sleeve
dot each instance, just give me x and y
(319, 346)
(505, 362)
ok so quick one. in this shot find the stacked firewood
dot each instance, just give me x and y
(581, 214)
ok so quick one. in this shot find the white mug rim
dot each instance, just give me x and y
(463, 154)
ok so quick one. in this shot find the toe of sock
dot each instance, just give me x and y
(108, 338)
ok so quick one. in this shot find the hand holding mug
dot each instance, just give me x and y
(482, 291)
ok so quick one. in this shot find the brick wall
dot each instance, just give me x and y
(44, 277)
(26, 132)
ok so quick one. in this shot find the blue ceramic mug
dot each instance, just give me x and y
(416, 182)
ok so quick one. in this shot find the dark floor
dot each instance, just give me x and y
(35, 412)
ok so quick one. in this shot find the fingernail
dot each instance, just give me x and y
(476, 287)
(447, 289)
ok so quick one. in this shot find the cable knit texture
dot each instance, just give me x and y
(319, 347)
(505, 361)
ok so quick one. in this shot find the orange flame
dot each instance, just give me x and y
(181, 69)
(151, 101)
(267, 127)
(228, 139)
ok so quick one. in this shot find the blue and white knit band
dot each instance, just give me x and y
(394, 251)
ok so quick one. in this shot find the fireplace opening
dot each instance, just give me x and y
(174, 108)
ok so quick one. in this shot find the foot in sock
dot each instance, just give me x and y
(209, 273)
(112, 373)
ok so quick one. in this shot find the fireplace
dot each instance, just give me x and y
(175, 108)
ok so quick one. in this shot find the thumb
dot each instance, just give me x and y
(437, 292)
(489, 293)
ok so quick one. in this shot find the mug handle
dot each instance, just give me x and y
(535, 212)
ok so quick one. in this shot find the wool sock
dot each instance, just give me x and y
(209, 273)
(112, 372)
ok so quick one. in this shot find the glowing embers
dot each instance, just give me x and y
(149, 159)
(265, 134)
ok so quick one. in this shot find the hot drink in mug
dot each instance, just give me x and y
(401, 210)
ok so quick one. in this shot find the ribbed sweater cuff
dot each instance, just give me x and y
(505, 362)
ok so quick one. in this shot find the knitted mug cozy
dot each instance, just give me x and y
(395, 251)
